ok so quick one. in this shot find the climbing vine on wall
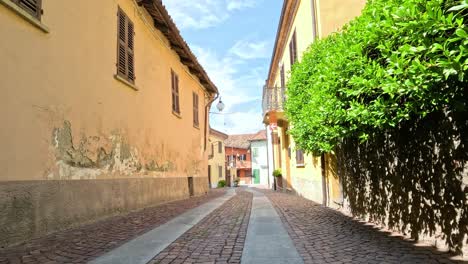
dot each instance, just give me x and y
(401, 59)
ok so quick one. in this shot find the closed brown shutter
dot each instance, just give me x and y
(33, 7)
(125, 49)
(195, 110)
(283, 82)
(175, 92)
(299, 157)
(293, 49)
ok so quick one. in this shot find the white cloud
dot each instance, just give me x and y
(240, 4)
(251, 50)
(249, 121)
(237, 90)
(201, 14)
(197, 14)
(223, 71)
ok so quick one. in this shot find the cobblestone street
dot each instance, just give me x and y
(218, 238)
(87, 242)
(319, 234)
(322, 235)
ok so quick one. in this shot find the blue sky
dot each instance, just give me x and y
(233, 40)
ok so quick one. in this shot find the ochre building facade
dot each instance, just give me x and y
(103, 111)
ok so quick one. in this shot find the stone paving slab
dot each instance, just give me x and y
(218, 238)
(143, 248)
(323, 235)
(80, 245)
(267, 240)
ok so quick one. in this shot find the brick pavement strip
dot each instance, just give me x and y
(323, 235)
(218, 238)
(84, 243)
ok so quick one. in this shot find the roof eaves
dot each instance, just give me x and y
(164, 23)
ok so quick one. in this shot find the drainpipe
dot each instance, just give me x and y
(207, 112)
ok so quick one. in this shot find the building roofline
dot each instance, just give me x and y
(287, 14)
(218, 133)
(164, 23)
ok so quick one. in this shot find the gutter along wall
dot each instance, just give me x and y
(78, 144)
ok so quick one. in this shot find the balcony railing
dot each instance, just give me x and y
(273, 99)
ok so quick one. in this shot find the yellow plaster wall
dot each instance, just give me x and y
(68, 75)
(333, 15)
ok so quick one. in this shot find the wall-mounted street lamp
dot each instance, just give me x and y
(220, 105)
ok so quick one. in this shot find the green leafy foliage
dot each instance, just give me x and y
(399, 60)
(277, 173)
(221, 184)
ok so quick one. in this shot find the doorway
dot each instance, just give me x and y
(190, 186)
(209, 177)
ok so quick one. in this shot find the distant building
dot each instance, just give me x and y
(258, 151)
(216, 158)
(238, 157)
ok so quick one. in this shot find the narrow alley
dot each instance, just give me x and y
(234, 131)
(241, 228)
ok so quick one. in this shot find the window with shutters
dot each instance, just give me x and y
(220, 147)
(33, 7)
(299, 158)
(283, 81)
(125, 47)
(293, 49)
(196, 122)
(175, 93)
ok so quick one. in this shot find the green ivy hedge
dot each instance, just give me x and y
(399, 60)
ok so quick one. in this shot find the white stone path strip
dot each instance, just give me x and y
(267, 241)
(143, 248)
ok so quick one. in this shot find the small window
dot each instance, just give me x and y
(255, 152)
(243, 157)
(220, 172)
(299, 158)
(175, 92)
(220, 147)
(196, 122)
(33, 7)
(125, 48)
(293, 49)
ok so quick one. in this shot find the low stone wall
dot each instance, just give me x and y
(30, 209)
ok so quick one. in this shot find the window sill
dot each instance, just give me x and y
(28, 17)
(300, 165)
(177, 114)
(120, 79)
(197, 127)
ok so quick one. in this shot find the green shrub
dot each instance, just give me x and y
(221, 184)
(277, 173)
(399, 60)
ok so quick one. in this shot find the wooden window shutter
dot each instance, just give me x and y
(33, 7)
(293, 49)
(126, 47)
(175, 92)
(283, 81)
(220, 147)
(195, 110)
(299, 157)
